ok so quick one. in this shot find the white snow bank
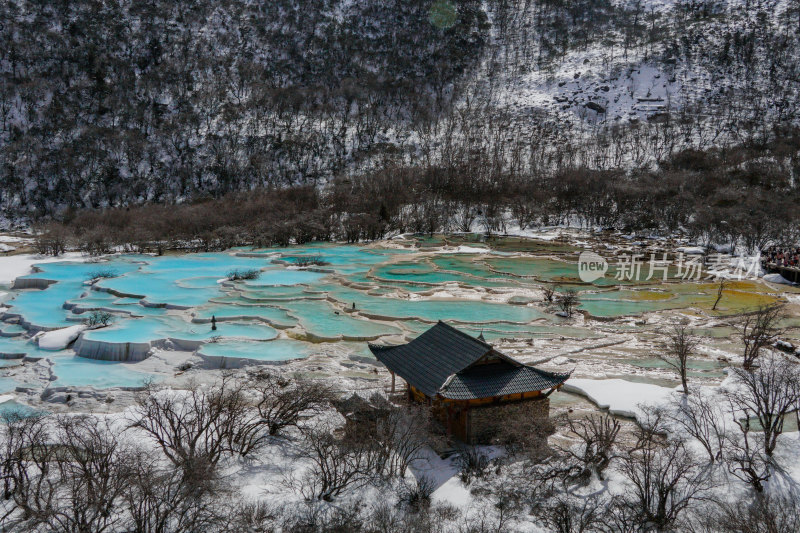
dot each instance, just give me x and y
(777, 278)
(470, 250)
(59, 339)
(619, 396)
(14, 266)
(6, 398)
(691, 250)
(11, 238)
(462, 249)
(723, 248)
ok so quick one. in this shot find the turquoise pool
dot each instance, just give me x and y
(74, 371)
(174, 297)
(277, 350)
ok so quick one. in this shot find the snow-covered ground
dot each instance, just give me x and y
(14, 266)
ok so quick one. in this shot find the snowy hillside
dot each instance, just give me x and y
(125, 103)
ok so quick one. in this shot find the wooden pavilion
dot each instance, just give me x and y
(471, 387)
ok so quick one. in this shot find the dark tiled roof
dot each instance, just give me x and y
(429, 361)
(499, 379)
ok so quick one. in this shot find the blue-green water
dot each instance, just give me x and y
(74, 371)
(386, 291)
(277, 350)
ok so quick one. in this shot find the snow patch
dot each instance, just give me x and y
(777, 278)
(14, 266)
(620, 397)
(691, 250)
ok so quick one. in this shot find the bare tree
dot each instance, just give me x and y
(723, 283)
(679, 347)
(394, 434)
(621, 516)
(701, 415)
(336, 464)
(401, 432)
(665, 478)
(598, 436)
(196, 427)
(159, 499)
(24, 453)
(767, 395)
(67, 474)
(745, 457)
(758, 330)
(94, 470)
(51, 240)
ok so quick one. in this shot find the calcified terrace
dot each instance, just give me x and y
(314, 307)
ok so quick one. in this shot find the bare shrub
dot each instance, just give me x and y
(281, 401)
(98, 318)
(568, 301)
(240, 274)
(313, 518)
(548, 291)
(102, 273)
(473, 463)
(572, 515)
(261, 516)
(417, 495)
(765, 514)
(307, 261)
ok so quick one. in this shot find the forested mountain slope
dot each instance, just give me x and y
(117, 103)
